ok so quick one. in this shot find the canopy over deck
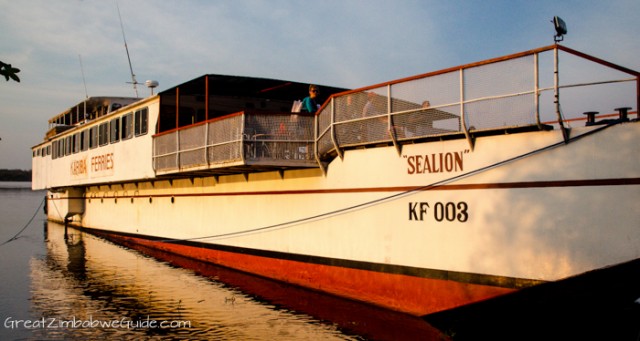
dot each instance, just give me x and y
(211, 96)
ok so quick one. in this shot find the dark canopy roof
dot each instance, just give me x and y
(250, 87)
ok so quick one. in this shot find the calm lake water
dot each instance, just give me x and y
(62, 283)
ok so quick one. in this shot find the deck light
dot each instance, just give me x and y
(561, 29)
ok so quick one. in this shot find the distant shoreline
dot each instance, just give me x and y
(17, 175)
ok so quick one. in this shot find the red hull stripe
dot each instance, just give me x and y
(412, 290)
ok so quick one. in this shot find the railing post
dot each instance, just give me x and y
(178, 149)
(556, 93)
(462, 112)
(332, 130)
(316, 132)
(390, 127)
(536, 88)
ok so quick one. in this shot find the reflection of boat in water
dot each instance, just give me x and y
(87, 278)
(485, 192)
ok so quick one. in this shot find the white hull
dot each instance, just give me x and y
(542, 217)
(362, 205)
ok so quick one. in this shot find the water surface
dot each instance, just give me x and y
(63, 283)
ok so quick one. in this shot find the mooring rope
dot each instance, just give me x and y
(27, 224)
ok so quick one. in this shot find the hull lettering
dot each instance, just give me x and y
(440, 211)
(435, 163)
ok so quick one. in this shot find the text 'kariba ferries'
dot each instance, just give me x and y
(100, 163)
(436, 163)
(79, 167)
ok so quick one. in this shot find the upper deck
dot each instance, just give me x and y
(218, 124)
(509, 94)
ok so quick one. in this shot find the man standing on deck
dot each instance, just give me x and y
(309, 103)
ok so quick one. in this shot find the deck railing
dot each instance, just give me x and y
(244, 139)
(500, 94)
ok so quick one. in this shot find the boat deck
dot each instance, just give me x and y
(257, 141)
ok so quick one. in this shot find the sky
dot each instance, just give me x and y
(67, 49)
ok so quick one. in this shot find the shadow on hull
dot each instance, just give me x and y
(598, 305)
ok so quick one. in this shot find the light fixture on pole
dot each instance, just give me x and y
(151, 84)
(561, 29)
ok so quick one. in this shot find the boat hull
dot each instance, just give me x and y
(417, 294)
(448, 226)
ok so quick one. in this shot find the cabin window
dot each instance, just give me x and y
(127, 126)
(67, 145)
(77, 139)
(93, 137)
(141, 121)
(84, 140)
(54, 146)
(115, 130)
(103, 134)
(48, 150)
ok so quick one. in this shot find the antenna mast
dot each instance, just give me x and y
(133, 76)
(86, 93)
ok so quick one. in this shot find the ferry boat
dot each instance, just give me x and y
(419, 195)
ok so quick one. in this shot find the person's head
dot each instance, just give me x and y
(314, 90)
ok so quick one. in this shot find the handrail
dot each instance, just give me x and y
(236, 140)
(492, 94)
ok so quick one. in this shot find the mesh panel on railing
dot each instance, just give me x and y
(192, 158)
(224, 153)
(272, 137)
(228, 129)
(192, 146)
(225, 140)
(324, 122)
(351, 106)
(495, 96)
(193, 137)
(427, 122)
(506, 77)
(163, 163)
(503, 112)
(165, 147)
(426, 92)
(165, 144)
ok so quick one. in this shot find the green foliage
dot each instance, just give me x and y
(9, 72)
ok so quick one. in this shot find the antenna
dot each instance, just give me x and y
(151, 84)
(133, 76)
(86, 94)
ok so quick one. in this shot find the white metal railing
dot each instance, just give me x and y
(243, 139)
(512, 92)
(515, 91)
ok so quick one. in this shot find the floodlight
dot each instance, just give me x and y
(561, 28)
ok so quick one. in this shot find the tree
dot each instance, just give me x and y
(9, 72)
